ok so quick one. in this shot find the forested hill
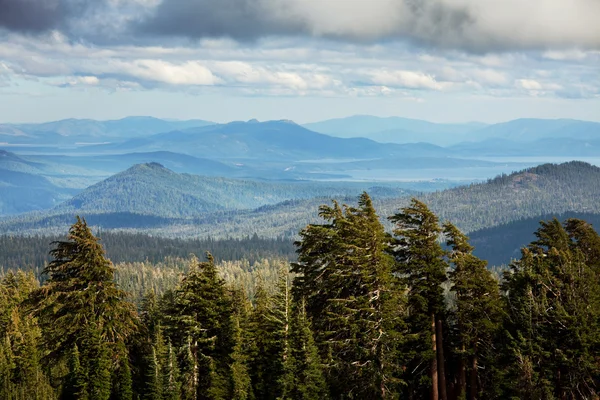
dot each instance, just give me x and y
(166, 197)
(501, 244)
(152, 189)
(548, 189)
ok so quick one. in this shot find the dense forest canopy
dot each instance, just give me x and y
(361, 314)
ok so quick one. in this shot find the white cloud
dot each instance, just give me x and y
(187, 73)
(404, 79)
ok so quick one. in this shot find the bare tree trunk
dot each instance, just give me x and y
(440, 359)
(462, 376)
(434, 366)
(473, 379)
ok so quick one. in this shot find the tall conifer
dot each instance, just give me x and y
(420, 261)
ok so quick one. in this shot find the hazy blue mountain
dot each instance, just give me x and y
(12, 162)
(23, 189)
(111, 164)
(530, 130)
(395, 129)
(126, 127)
(548, 147)
(72, 132)
(266, 140)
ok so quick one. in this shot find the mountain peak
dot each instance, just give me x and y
(150, 166)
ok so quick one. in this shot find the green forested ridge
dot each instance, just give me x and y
(362, 314)
(152, 189)
(549, 189)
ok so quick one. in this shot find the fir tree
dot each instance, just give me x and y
(553, 299)
(75, 387)
(80, 296)
(478, 313)
(170, 375)
(420, 261)
(203, 312)
(122, 387)
(242, 382)
(352, 300)
(96, 363)
(304, 378)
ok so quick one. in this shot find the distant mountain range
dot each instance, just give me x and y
(276, 140)
(516, 132)
(395, 129)
(45, 164)
(68, 130)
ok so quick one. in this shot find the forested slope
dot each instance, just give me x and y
(172, 202)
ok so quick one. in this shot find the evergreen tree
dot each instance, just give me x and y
(269, 328)
(96, 363)
(170, 375)
(304, 378)
(80, 297)
(122, 386)
(420, 261)
(153, 383)
(75, 387)
(203, 313)
(553, 300)
(20, 353)
(352, 300)
(242, 382)
(477, 314)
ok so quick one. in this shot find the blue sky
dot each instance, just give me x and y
(306, 60)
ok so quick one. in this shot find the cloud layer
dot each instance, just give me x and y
(405, 49)
(471, 25)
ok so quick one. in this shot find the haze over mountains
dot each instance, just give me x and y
(190, 179)
(177, 170)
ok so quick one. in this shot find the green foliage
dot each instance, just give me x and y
(421, 267)
(477, 316)
(202, 318)
(75, 386)
(553, 301)
(352, 299)
(304, 378)
(368, 316)
(80, 294)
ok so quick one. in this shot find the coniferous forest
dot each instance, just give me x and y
(362, 314)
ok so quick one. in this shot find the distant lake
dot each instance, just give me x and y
(537, 160)
(464, 175)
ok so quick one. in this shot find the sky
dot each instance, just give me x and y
(304, 60)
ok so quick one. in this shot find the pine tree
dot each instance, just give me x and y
(304, 378)
(269, 328)
(203, 312)
(242, 382)
(170, 375)
(21, 352)
(420, 260)
(75, 387)
(80, 296)
(478, 313)
(553, 300)
(352, 299)
(96, 363)
(122, 378)
(153, 382)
